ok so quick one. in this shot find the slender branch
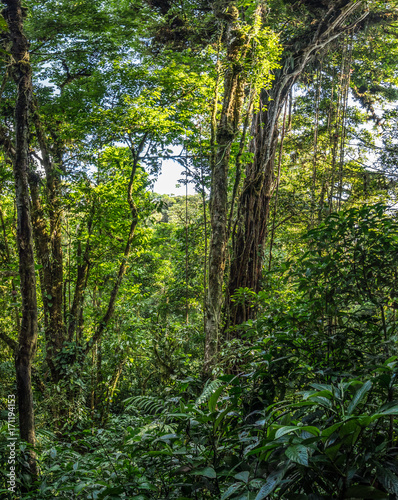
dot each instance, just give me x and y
(12, 344)
(123, 265)
(238, 163)
(81, 280)
(6, 143)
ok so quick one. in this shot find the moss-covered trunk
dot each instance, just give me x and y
(226, 130)
(249, 238)
(27, 340)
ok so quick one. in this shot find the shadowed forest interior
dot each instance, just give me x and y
(237, 343)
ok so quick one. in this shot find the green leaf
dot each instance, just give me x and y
(332, 451)
(157, 453)
(290, 428)
(214, 398)
(350, 432)
(115, 490)
(298, 454)
(207, 472)
(221, 416)
(388, 411)
(272, 482)
(256, 483)
(322, 401)
(349, 427)
(3, 24)
(285, 430)
(168, 437)
(79, 487)
(365, 492)
(231, 490)
(261, 449)
(324, 393)
(359, 395)
(329, 430)
(388, 479)
(242, 476)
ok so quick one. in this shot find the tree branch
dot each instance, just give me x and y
(12, 344)
(123, 265)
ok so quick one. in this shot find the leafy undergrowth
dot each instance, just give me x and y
(333, 440)
(311, 415)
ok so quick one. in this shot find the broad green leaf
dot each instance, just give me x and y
(291, 428)
(78, 488)
(167, 437)
(221, 416)
(214, 398)
(358, 396)
(388, 479)
(256, 483)
(311, 429)
(242, 476)
(262, 448)
(329, 430)
(231, 490)
(331, 451)
(389, 411)
(349, 427)
(3, 24)
(269, 486)
(365, 492)
(285, 430)
(157, 453)
(322, 387)
(114, 490)
(207, 472)
(298, 454)
(324, 393)
(249, 447)
(322, 401)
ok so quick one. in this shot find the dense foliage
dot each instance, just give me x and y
(238, 343)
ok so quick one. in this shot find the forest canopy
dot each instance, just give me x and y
(236, 343)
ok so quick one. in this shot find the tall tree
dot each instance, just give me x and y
(103, 96)
(319, 26)
(223, 136)
(250, 55)
(14, 15)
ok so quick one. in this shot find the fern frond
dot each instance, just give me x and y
(208, 389)
(148, 404)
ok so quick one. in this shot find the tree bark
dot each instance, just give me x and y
(27, 340)
(250, 232)
(50, 254)
(234, 83)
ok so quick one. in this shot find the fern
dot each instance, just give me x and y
(148, 404)
(208, 390)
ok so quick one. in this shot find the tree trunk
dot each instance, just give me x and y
(50, 251)
(27, 340)
(250, 231)
(249, 237)
(227, 128)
